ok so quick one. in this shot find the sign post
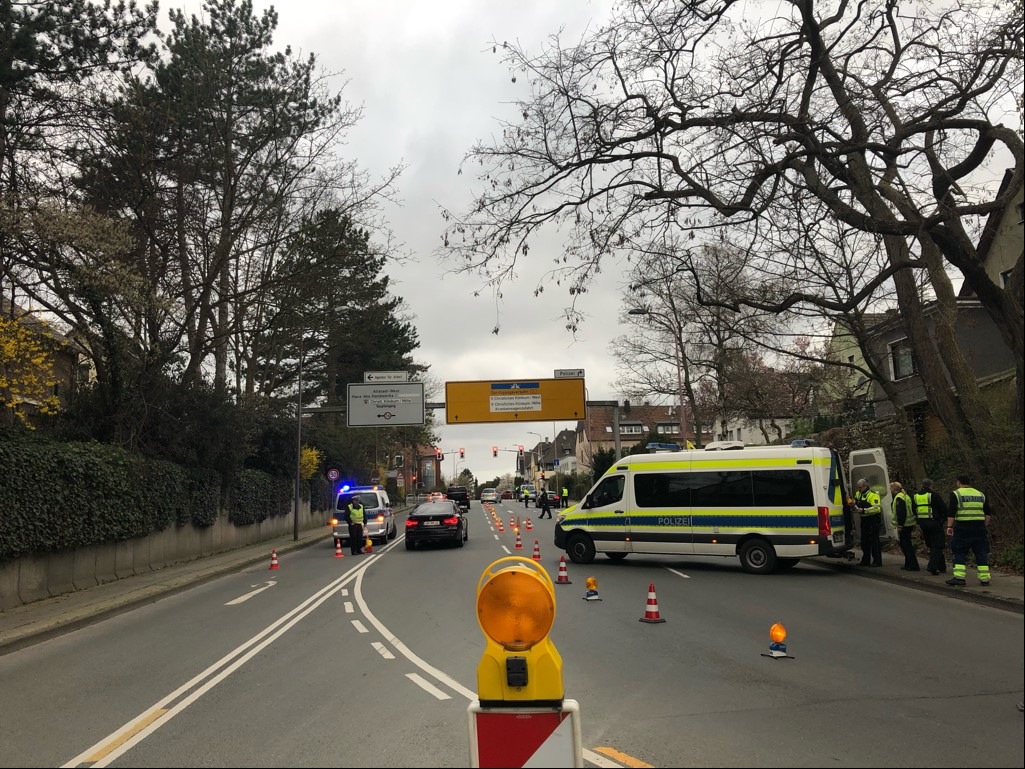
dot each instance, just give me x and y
(521, 717)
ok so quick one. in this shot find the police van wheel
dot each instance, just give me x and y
(757, 556)
(580, 548)
(616, 556)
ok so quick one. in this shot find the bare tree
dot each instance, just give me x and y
(689, 116)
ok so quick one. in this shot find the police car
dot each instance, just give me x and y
(378, 519)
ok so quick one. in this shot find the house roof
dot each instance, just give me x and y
(598, 424)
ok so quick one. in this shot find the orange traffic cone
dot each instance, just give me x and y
(501, 528)
(274, 559)
(338, 549)
(651, 610)
(530, 526)
(563, 578)
(519, 543)
(537, 552)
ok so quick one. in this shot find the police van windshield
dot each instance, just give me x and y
(367, 499)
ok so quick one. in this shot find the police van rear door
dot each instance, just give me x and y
(870, 464)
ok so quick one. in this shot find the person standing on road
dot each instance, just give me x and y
(931, 513)
(564, 499)
(526, 498)
(904, 520)
(356, 516)
(968, 520)
(542, 501)
(868, 504)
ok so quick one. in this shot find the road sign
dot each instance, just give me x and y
(333, 475)
(389, 405)
(527, 737)
(385, 376)
(569, 373)
(521, 400)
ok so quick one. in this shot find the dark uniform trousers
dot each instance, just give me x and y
(935, 540)
(355, 538)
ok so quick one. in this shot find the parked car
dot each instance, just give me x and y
(489, 495)
(436, 522)
(378, 519)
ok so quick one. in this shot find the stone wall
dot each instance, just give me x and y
(35, 577)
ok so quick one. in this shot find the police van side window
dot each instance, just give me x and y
(662, 489)
(722, 489)
(609, 491)
(783, 488)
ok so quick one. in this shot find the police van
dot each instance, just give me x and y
(768, 505)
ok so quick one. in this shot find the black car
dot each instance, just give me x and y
(460, 495)
(436, 522)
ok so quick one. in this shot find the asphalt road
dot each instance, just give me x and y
(371, 661)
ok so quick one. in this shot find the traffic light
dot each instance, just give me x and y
(462, 454)
(437, 452)
(494, 451)
(516, 610)
(519, 449)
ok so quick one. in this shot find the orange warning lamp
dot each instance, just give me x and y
(591, 583)
(516, 610)
(778, 633)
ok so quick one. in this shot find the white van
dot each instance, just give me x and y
(768, 505)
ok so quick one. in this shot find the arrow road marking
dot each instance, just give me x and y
(247, 596)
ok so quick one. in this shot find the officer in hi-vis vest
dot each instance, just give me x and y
(868, 504)
(904, 520)
(968, 521)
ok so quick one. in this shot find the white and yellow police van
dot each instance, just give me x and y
(768, 505)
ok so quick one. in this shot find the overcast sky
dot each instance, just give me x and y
(430, 87)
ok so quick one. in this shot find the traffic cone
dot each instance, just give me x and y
(274, 559)
(519, 544)
(501, 528)
(651, 610)
(338, 549)
(563, 578)
(537, 552)
(530, 526)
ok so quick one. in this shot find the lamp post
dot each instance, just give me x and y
(673, 325)
(298, 443)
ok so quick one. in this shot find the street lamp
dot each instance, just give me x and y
(677, 333)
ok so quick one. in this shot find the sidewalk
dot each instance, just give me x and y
(39, 620)
(33, 622)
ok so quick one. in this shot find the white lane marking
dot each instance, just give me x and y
(444, 678)
(678, 573)
(127, 737)
(507, 550)
(348, 607)
(427, 686)
(247, 596)
(383, 650)
(359, 626)
(496, 536)
(344, 592)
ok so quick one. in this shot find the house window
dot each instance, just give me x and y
(1005, 278)
(738, 435)
(668, 429)
(902, 362)
(631, 429)
(850, 359)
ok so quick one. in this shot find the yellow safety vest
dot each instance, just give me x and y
(909, 510)
(869, 502)
(356, 514)
(971, 504)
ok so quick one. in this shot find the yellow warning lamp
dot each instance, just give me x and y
(516, 610)
(591, 583)
(777, 633)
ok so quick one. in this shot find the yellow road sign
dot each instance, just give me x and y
(514, 400)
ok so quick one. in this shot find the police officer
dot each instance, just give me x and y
(931, 513)
(904, 520)
(869, 505)
(968, 520)
(356, 516)
(564, 499)
(526, 497)
(542, 501)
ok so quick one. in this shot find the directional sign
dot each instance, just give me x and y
(520, 400)
(389, 405)
(385, 376)
(569, 373)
